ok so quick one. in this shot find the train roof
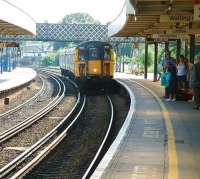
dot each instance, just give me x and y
(85, 44)
(93, 43)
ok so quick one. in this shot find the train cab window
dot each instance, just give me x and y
(106, 53)
(93, 53)
(81, 54)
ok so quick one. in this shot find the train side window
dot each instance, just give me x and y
(93, 53)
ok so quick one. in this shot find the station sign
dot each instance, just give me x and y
(174, 18)
(183, 31)
(177, 31)
(197, 12)
(166, 37)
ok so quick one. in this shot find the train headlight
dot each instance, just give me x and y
(95, 70)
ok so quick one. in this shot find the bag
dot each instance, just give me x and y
(184, 95)
(165, 77)
(189, 94)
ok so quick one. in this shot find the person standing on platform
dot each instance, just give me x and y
(195, 79)
(181, 72)
(172, 82)
(168, 64)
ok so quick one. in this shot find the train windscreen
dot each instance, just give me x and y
(93, 53)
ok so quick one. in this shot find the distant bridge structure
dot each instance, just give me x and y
(69, 32)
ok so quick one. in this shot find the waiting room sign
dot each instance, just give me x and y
(174, 18)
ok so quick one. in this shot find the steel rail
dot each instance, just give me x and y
(92, 164)
(18, 160)
(41, 142)
(29, 121)
(21, 105)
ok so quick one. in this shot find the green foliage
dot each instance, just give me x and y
(50, 59)
(58, 45)
(173, 49)
(79, 18)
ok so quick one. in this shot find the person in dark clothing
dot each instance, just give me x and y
(196, 82)
(169, 65)
(172, 83)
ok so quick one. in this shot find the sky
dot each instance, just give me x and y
(54, 10)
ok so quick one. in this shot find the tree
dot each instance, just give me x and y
(76, 18)
(79, 18)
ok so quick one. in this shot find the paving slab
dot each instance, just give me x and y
(142, 153)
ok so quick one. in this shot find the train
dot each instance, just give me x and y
(90, 64)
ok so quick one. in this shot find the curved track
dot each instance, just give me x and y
(59, 132)
(94, 161)
(29, 121)
(27, 101)
(37, 146)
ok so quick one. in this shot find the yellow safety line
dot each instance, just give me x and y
(173, 172)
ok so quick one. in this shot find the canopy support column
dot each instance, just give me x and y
(155, 61)
(178, 49)
(186, 48)
(192, 48)
(145, 59)
(166, 46)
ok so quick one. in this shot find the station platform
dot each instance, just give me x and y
(16, 78)
(159, 139)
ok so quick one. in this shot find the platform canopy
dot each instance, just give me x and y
(15, 21)
(157, 19)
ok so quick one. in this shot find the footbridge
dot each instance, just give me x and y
(69, 32)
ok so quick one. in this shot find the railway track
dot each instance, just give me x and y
(22, 112)
(40, 149)
(58, 167)
(41, 153)
(10, 166)
(29, 121)
(14, 109)
(94, 162)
